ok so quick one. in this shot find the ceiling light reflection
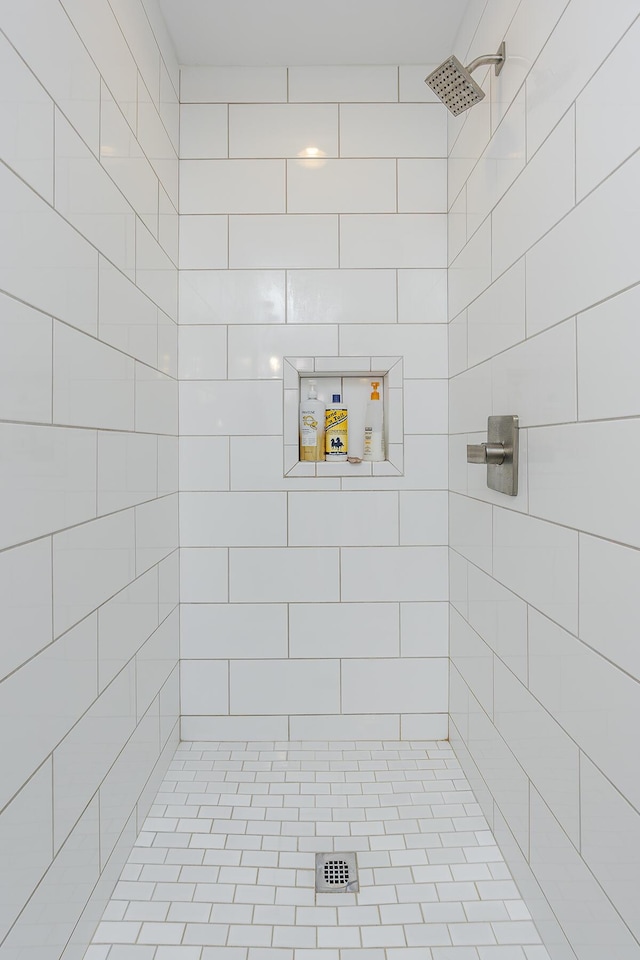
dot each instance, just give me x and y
(313, 157)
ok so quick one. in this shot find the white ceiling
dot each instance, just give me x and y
(312, 32)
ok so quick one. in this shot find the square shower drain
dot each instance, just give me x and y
(336, 873)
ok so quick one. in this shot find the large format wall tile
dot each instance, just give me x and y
(282, 130)
(45, 697)
(60, 61)
(45, 262)
(91, 562)
(609, 601)
(342, 186)
(538, 377)
(235, 631)
(392, 240)
(391, 130)
(127, 319)
(538, 561)
(26, 122)
(393, 573)
(48, 478)
(26, 599)
(227, 297)
(549, 176)
(353, 266)
(610, 840)
(25, 363)
(607, 130)
(470, 530)
(395, 686)
(25, 830)
(221, 408)
(473, 659)
(546, 753)
(88, 340)
(284, 686)
(232, 186)
(124, 623)
(343, 519)
(594, 701)
(588, 255)
(233, 519)
(607, 374)
(497, 318)
(343, 83)
(101, 34)
(233, 84)
(599, 33)
(585, 913)
(286, 241)
(105, 398)
(87, 197)
(295, 574)
(543, 209)
(569, 486)
(341, 296)
(83, 758)
(51, 915)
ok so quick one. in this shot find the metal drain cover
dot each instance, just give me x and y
(336, 873)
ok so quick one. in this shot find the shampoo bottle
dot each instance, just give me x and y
(312, 426)
(336, 430)
(373, 430)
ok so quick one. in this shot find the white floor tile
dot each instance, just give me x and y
(224, 867)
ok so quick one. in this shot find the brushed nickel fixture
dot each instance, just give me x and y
(453, 84)
(500, 453)
(336, 873)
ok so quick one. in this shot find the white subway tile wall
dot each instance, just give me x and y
(88, 399)
(543, 204)
(313, 224)
(321, 208)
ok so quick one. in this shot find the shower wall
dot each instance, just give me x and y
(544, 208)
(88, 461)
(312, 607)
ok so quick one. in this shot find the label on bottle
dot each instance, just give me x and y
(309, 430)
(336, 435)
(373, 445)
(311, 434)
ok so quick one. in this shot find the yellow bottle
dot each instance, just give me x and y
(336, 430)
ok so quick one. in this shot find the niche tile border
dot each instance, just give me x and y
(390, 371)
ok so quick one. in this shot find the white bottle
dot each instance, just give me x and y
(373, 427)
(312, 426)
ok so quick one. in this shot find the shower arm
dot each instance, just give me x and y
(497, 58)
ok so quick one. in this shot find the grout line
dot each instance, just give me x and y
(540, 704)
(580, 798)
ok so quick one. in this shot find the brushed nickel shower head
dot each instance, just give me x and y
(453, 84)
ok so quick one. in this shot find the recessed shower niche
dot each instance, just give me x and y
(351, 377)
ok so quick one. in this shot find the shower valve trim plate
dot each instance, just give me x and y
(500, 453)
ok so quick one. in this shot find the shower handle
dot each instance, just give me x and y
(486, 453)
(499, 453)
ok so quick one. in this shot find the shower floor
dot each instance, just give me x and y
(224, 866)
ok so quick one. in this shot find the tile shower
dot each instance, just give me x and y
(531, 202)
(328, 593)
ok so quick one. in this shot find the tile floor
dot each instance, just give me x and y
(224, 868)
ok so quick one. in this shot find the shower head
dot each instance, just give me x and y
(453, 84)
